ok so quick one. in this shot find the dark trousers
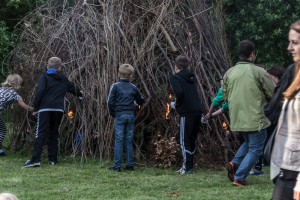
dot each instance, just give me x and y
(47, 126)
(3, 130)
(284, 188)
(189, 128)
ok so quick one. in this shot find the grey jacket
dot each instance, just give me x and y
(286, 149)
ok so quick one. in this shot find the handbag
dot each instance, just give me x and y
(269, 147)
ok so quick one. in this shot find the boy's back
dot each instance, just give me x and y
(122, 96)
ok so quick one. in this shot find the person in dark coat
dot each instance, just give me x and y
(188, 106)
(49, 107)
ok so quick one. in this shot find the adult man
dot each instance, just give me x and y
(247, 87)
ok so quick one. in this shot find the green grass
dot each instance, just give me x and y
(71, 179)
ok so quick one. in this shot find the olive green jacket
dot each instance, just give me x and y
(246, 88)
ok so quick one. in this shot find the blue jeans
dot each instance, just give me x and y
(249, 152)
(124, 126)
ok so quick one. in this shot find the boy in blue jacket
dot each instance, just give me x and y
(122, 98)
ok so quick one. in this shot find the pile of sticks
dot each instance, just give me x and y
(94, 37)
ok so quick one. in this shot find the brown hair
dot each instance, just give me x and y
(276, 71)
(125, 71)
(13, 80)
(54, 62)
(182, 62)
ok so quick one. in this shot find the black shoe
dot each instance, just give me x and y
(117, 169)
(129, 168)
(29, 164)
(2, 154)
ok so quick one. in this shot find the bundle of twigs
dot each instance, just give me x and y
(94, 38)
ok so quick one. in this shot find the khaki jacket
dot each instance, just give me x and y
(246, 88)
(286, 149)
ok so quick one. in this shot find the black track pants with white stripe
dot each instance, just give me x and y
(189, 128)
(47, 126)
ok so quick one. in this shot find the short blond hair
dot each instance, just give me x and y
(54, 62)
(8, 196)
(13, 80)
(125, 71)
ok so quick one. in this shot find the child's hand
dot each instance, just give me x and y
(81, 97)
(34, 113)
(30, 109)
(207, 116)
(173, 105)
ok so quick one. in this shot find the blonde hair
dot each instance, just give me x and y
(8, 196)
(13, 80)
(125, 71)
(54, 62)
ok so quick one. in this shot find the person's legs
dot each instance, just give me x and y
(55, 120)
(40, 135)
(189, 128)
(129, 130)
(284, 187)
(120, 126)
(255, 141)
(3, 131)
(242, 150)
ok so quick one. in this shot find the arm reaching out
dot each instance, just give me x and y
(24, 105)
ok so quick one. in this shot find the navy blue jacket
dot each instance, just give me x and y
(51, 90)
(122, 98)
(273, 108)
(187, 98)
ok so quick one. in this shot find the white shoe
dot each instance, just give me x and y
(183, 171)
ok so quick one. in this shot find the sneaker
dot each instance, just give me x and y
(51, 163)
(256, 172)
(231, 169)
(29, 163)
(183, 171)
(2, 154)
(239, 183)
(129, 168)
(117, 169)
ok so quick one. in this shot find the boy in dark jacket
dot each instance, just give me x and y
(49, 106)
(189, 108)
(122, 99)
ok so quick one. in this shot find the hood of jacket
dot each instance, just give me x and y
(188, 76)
(53, 73)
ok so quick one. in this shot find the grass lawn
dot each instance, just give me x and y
(71, 179)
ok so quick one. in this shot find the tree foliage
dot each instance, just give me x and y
(266, 23)
(11, 13)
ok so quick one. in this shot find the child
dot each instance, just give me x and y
(8, 196)
(121, 101)
(49, 105)
(187, 105)
(9, 95)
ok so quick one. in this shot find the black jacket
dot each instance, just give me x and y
(273, 108)
(51, 91)
(123, 97)
(187, 98)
